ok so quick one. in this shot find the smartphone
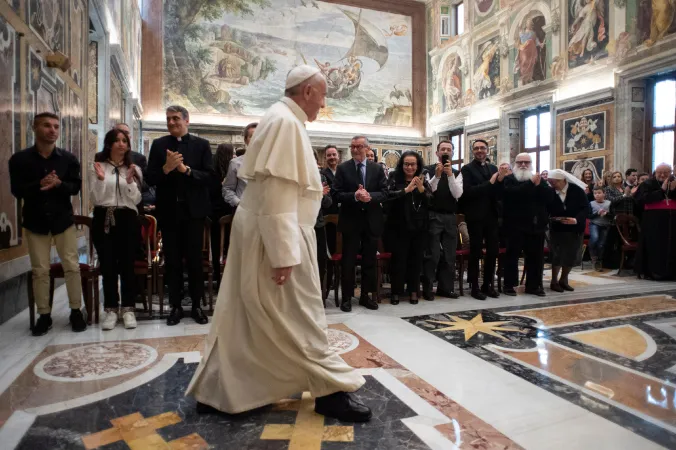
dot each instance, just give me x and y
(445, 159)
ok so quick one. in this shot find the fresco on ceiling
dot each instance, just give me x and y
(587, 31)
(654, 20)
(233, 58)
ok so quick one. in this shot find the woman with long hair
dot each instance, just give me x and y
(614, 186)
(407, 220)
(587, 177)
(114, 186)
(222, 158)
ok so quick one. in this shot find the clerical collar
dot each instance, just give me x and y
(476, 161)
(185, 137)
(295, 109)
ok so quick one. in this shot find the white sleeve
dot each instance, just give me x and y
(97, 187)
(230, 185)
(455, 185)
(133, 189)
(434, 182)
(278, 222)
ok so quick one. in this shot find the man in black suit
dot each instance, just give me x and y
(482, 188)
(329, 172)
(360, 186)
(181, 167)
(525, 220)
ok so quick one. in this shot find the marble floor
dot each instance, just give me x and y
(590, 369)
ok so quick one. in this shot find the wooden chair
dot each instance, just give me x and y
(383, 260)
(226, 227)
(460, 255)
(207, 269)
(629, 229)
(89, 276)
(585, 243)
(145, 267)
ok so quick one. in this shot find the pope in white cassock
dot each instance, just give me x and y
(268, 338)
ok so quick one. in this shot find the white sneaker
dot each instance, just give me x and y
(129, 320)
(110, 321)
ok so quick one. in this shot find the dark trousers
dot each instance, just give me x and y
(442, 235)
(117, 253)
(407, 260)
(216, 251)
(330, 231)
(322, 258)
(183, 238)
(352, 242)
(479, 231)
(532, 245)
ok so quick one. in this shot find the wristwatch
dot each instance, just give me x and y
(188, 171)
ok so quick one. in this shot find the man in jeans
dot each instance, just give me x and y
(446, 184)
(45, 177)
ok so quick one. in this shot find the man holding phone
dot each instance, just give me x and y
(446, 184)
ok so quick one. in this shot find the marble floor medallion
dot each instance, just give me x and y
(606, 354)
(341, 341)
(95, 362)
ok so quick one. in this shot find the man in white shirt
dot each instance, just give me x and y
(446, 184)
(233, 187)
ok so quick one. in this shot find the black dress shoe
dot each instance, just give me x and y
(566, 286)
(539, 292)
(428, 295)
(414, 299)
(368, 303)
(175, 316)
(447, 294)
(342, 406)
(346, 305)
(490, 292)
(394, 300)
(477, 294)
(77, 320)
(556, 287)
(198, 315)
(43, 325)
(509, 291)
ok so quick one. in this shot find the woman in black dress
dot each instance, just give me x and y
(409, 196)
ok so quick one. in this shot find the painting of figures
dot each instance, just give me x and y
(576, 167)
(483, 9)
(451, 82)
(233, 57)
(587, 31)
(530, 63)
(487, 69)
(655, 20)
(584, 134)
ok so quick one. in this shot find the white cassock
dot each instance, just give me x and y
(268, 342)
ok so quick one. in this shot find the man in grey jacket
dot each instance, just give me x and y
(233, 187)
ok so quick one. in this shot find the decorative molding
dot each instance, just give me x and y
(586, 101)
(556, 21)
(621, 3)
(483, 126)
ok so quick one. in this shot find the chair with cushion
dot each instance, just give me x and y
(89, 275)
(145, 267)
(629, 230)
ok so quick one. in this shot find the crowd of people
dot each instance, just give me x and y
(413, 210)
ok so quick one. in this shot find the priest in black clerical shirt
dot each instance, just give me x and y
(482, 188)
(181, 167)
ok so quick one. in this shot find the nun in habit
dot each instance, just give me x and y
(268, 339)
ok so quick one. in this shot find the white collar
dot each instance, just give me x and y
(295, 109)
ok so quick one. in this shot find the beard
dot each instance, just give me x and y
(523, 174)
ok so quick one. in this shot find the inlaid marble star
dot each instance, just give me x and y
(326, 113)
(475, 325)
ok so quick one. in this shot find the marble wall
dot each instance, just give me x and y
(516, 55)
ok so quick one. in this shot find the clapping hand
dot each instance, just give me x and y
(537, 178)
(602, 212)
(502, 173)
(494, 177)
(362, 195)
(100, 174)
(325, 189)
(131, 174)
(669, 184)
(420, 184)
(174, 159)
(50, 181)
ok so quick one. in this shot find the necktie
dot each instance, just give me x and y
(360, 173)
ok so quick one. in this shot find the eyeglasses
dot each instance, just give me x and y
(480, 148)
(525, 163)
(410, 165)
(358, 147)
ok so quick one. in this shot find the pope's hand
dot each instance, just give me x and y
(281, 275)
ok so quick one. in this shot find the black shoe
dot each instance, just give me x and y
(394, 300)
(198, 315)
(346, 305)
(414, 299)
(447, 294)
(490, 292)
(556, 287)
(477, 294)
(203, 408)
(77, 321)
(427, 292)
(367, 302)
(43, 325)
(509, 291)
(566, 286)
(342, 406)
(539, 292)
(175, 316)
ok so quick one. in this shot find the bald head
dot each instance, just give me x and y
(309, 94)
(662, 172)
